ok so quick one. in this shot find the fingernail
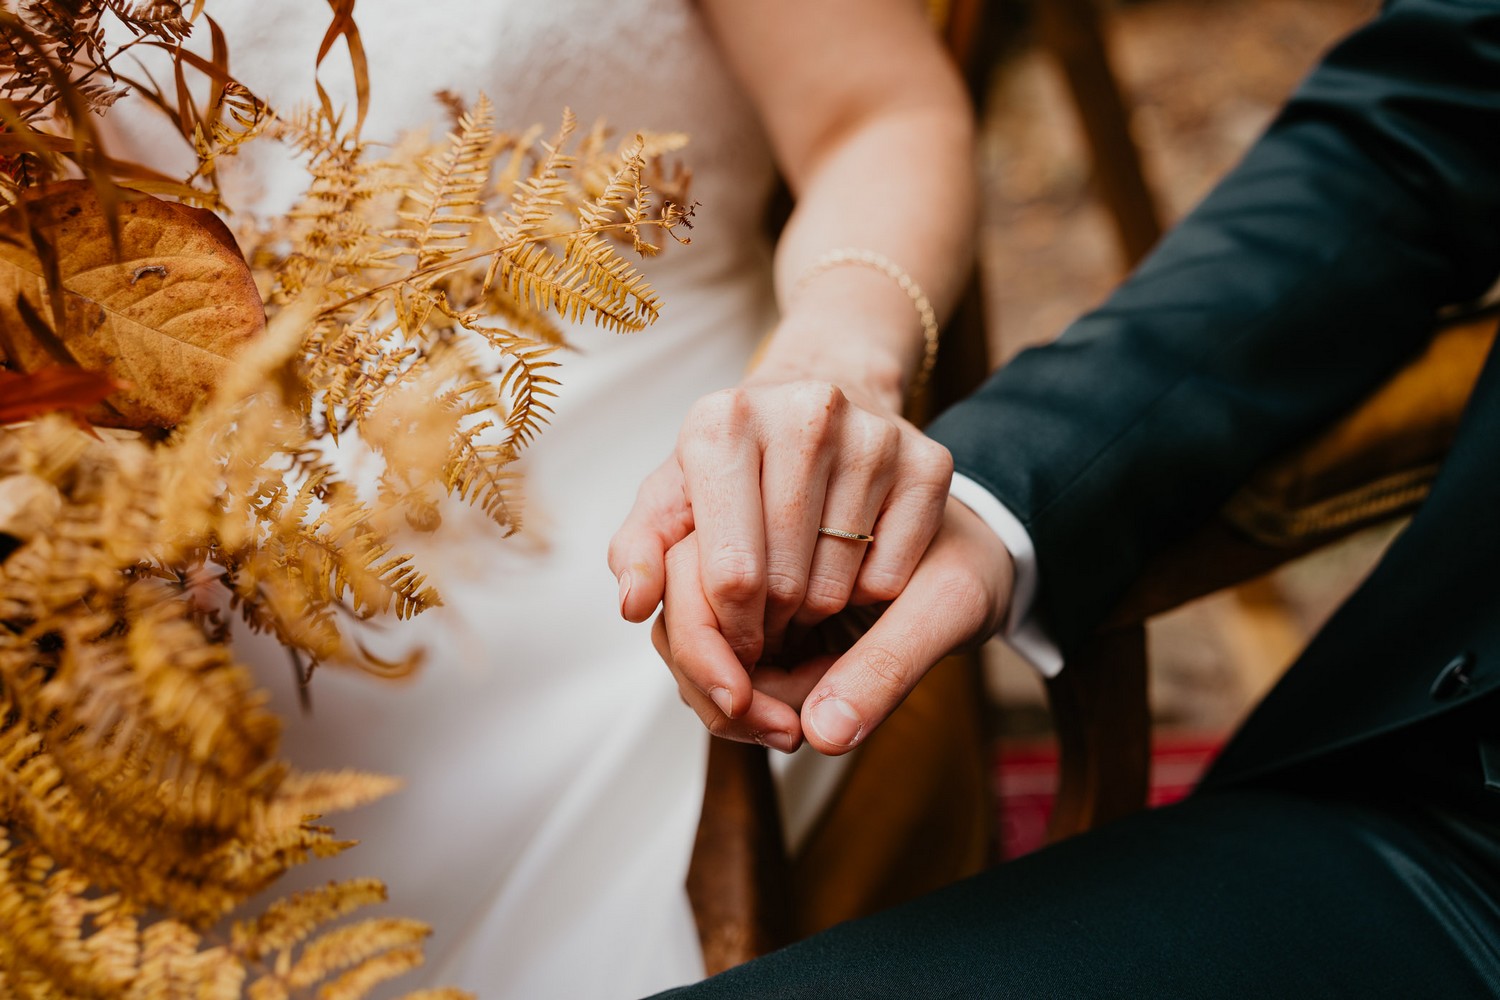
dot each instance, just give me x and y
(835, 722)
(723, 699)
(785, 742)
(624, 590)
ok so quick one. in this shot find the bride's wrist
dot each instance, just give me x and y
(856, 313)
(868, 378)
(843, 330)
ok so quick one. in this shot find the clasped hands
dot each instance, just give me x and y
(776, 633)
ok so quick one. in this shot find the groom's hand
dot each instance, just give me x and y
(957, 596)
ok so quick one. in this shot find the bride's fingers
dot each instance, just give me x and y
(913, 512)
(794, 481)
(721, 463)
(659, 519)
(689, 639)
(858, 487)
(766, 719)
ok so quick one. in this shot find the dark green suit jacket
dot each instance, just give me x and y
(1307, 277)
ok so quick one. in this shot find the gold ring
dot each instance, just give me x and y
(853, 536)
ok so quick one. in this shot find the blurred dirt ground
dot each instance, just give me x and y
(1204, 77)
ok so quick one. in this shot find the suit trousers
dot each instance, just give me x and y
(1375, 875)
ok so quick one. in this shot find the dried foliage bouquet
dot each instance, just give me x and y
(167, 413)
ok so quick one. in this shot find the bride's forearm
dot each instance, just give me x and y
(872, 128)
(893, 201)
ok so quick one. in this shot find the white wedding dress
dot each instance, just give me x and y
(552, 777)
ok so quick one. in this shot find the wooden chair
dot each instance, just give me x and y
(749, 896)
(1073, 32)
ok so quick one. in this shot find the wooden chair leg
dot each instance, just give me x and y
(913, 811)
(738, 880)
(1072, 31)
(1103, 721)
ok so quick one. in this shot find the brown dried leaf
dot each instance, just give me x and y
(53, 389)
(167, 316)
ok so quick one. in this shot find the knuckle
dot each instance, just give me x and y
(884, 670)
(879, 584)
(815, 395)
(961, 597)
(825, 597)
(719, 413)
(784, 590)
(734, 574)
(933, 463)
(817, 407)
(747, 646)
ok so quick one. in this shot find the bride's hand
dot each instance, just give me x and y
(757, 470)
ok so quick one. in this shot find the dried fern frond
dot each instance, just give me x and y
(461, 264)
(40, 43)
(236, 117)
(55, 61)
(163, 18)
(417, 305)
(64, 940)
(449, 203)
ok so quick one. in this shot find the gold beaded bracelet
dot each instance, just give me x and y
(894, 271)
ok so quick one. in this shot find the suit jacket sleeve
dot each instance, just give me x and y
(1308, 275)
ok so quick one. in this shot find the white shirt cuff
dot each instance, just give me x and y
(1021, 631)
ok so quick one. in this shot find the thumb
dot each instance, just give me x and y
(957, 596)
(868, 682)
(660, 518)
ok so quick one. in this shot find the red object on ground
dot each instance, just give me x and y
(1025, 782)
